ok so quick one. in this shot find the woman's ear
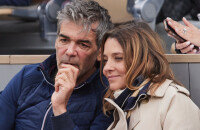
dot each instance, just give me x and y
(99, 55)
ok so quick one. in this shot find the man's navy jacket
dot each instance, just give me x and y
(25, 102)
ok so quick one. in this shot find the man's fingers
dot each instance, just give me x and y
(59, 83)
(62, 76)
(69, 70)
(66, 78)
(68, 74)
(56, 86)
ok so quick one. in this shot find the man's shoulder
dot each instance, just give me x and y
(32, 69)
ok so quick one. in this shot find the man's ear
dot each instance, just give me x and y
(99, 55)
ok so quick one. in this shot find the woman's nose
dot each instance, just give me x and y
(109, 66)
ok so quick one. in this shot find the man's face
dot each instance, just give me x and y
(78, 48)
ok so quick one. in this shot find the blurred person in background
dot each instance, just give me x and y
(188, 32)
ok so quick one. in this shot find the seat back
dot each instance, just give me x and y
(145, 10)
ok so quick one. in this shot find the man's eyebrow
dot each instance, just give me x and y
(85, 41)
(62, 35)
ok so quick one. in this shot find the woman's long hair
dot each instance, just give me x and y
(143, 55)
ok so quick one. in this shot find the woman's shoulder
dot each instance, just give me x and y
(178, 89)
(171, 93)
(169, 89)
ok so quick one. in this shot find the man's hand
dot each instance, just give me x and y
(65, 82)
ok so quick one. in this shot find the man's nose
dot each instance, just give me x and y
(71, 49)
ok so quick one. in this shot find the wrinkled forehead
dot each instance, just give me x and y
(76, 32)
(86, 26)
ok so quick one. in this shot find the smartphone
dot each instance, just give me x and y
(172, 32)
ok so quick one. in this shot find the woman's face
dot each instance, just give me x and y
(114, 67)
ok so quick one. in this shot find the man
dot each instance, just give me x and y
(29, 100)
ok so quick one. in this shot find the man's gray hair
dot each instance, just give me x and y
(85, 13)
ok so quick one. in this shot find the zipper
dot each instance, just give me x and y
(50, 104)
(45, 116)
(45, 78)
(80, 86)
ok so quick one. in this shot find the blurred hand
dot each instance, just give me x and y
(191, 32)
(186, 48)
(65, 82)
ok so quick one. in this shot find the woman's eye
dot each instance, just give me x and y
(105, 61)
(118, 58)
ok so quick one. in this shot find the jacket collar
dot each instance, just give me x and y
(128, 99)
(161, 90)
(47, 67)
(125, 96)
(89, 80)
(123, 100)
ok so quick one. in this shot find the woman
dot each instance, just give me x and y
(142, 89)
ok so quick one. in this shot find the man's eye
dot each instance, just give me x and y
(63, 40)
(84, 46)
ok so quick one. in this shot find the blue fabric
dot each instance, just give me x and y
(26, 99)
(15, 2)
(132, 101)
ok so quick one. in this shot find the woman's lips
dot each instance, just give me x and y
(112, 77)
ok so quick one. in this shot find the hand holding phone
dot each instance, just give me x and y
(172, 32)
